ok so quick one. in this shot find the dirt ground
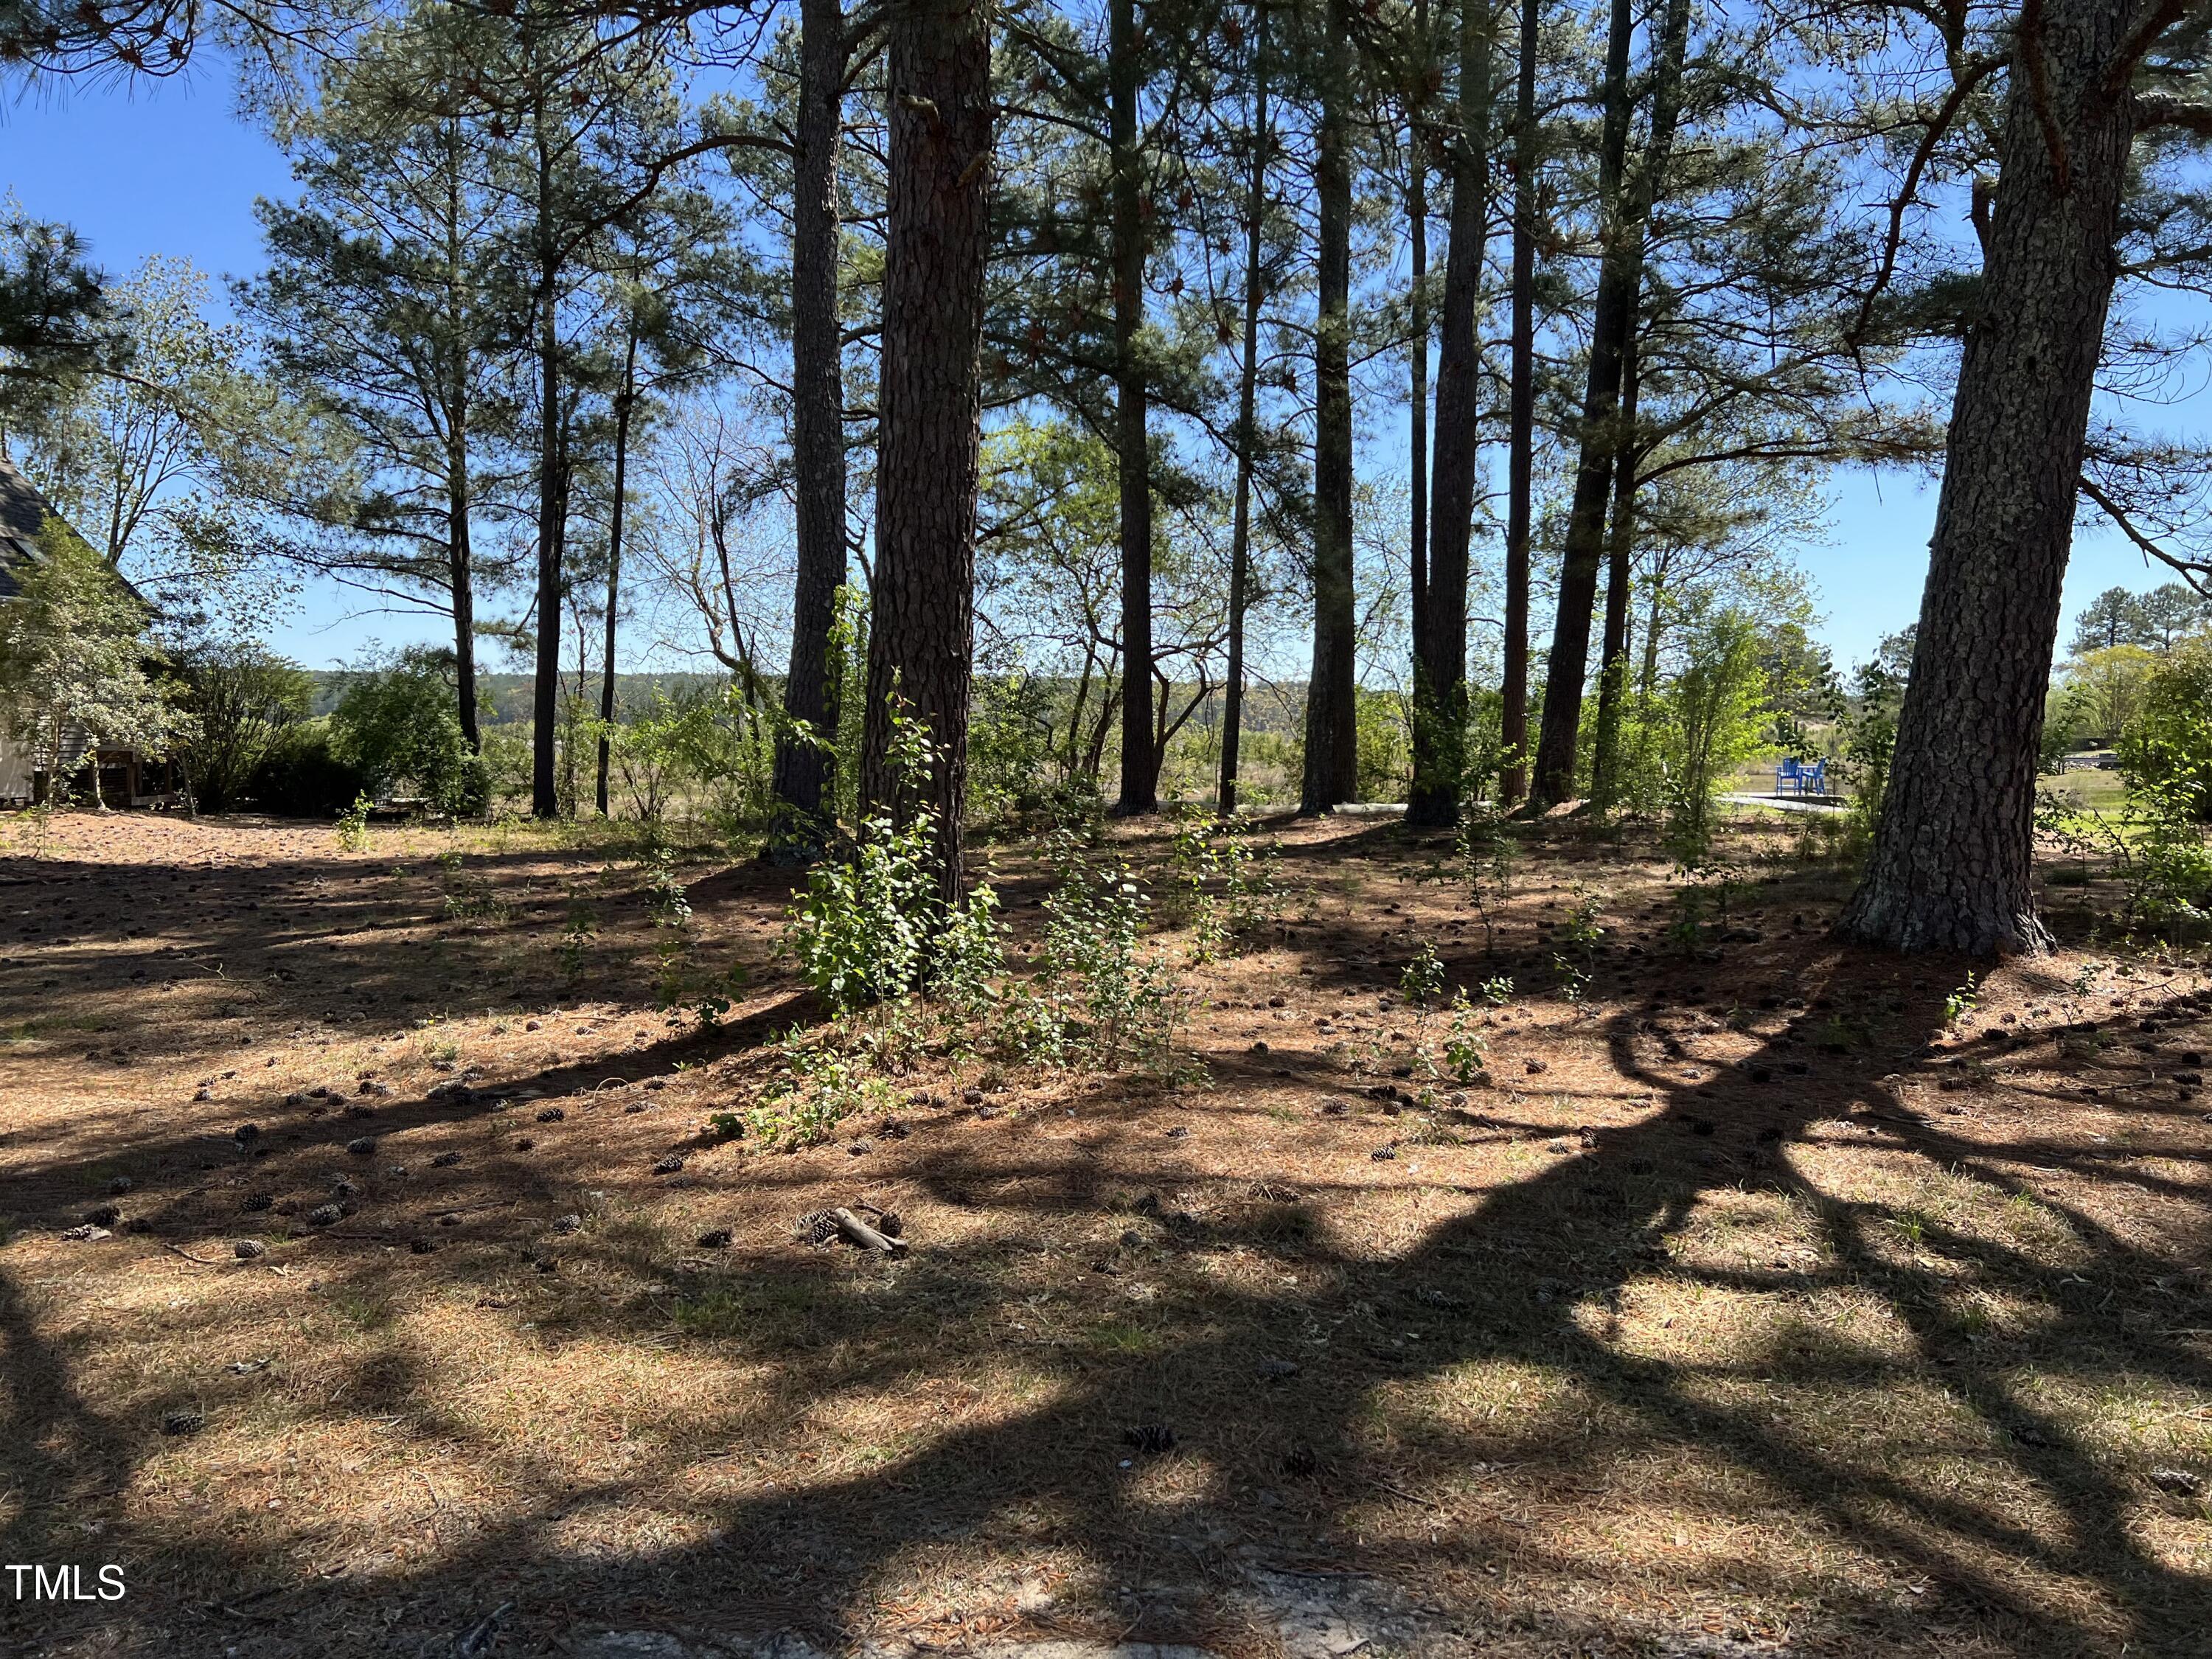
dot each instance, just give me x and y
(1767, 1296)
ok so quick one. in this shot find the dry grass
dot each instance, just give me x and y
(1750, 1303)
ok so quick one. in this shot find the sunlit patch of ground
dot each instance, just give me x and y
(1751, 1296)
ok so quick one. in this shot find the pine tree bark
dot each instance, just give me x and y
(552, 483)
(1952, 866)
(1440, 669)
(805, 770)
(460, 491)
(1240, 535)
(1521, 442)
(1417, 460)
(1332, 756)
(1626, 205)
(923, 625)
(625, 408)
(1140, 758)
(1553, 778)
(1620, 556)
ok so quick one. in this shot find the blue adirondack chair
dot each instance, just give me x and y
(1798, 777)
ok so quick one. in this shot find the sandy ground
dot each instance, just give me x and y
(1763, 1297)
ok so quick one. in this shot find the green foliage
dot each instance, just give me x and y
(581, 927)
(848, 666)
(1962, 1001)
(674, 741)
(669, 904)
(2155, 849)
(1715, 712)
(1869, 731)
(1423, 980)
(1224, 890)
(74, 659)
(1384, 740)
(353, 825)
(469, 895)
(398, 723)
(1115, 1001)
(300, 774)
(869, 927)
(861, 930)
(56, 318)
(241, 700)
(1484, 854)
(1010, 770)
(816, 1090)
(971, 953)
(2166, 749)
(1466, 1052)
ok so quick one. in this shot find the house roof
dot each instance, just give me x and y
(23, 514)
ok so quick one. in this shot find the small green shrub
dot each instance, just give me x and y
(1466, 1052)
(353, 825)
(1423, 980)
(816, 1090)
(861, 931)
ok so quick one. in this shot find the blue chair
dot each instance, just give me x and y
(1813, 780)
(1788, 775)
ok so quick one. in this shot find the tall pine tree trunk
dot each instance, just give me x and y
(459, 504)
(625, 408)
(1952, 861)
(1247, 380)
(1513, 690)
(805, 769)
(1553, 778)
(1440, 670)
(1613, 659)
(1332, 757)
(461, 573)
(552, 486)
(1417, 460)
(1626, 206)
(1620, 556)
(923, 627)
(1140, 758)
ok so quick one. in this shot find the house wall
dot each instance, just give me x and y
(15, 767)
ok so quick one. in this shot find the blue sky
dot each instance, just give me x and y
(166, 168)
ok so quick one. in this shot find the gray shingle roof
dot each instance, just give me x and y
(23, 514)
(23, 510)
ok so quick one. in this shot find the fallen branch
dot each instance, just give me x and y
(858, 1232)
(179, 1250)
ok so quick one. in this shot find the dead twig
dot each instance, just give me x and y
(860, 1232)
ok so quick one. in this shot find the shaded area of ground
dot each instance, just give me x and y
(1761, 1296)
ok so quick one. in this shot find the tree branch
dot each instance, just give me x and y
(2197, 572)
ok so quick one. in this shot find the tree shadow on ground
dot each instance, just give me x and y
(2042, 1549)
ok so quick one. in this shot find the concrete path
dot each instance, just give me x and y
(1791, 803)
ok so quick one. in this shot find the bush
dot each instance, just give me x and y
(240, 700)
(1011, 765)
(1714, 712)
(870, 927)
(1383, 746)
(2168, 747)
(399, 724)
(301, 775)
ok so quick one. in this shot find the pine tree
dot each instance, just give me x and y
(921, 636)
